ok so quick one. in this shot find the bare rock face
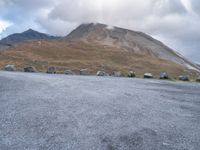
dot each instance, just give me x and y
(148, 75)
(116, 74)
(69, 72)
(84, 72)
(131, 74)
(30, 69)
(51, 70)
(183, 78)
(10, 68)
(102, 73)
(164, 75)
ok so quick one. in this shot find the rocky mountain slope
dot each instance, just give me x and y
(100, 47)
(30, 34)
(127, 40)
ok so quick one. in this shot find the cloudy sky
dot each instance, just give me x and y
(175, 22)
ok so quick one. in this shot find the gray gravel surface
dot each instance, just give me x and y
(58, 112)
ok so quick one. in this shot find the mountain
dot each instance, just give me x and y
(30, 34)
(100, 47)
(127, 40)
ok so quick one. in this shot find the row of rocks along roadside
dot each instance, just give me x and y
(86, 72)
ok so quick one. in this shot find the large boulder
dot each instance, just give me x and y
(30, 69)
(102, 73)
(183, 78)
(10, 68)
(164, 75)
(69, 72)
(51, 70)
(84, 72)
(148, 75)
(117, 74)
(198, 79)
(131, 74)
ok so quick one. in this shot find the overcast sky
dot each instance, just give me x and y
(174, 22)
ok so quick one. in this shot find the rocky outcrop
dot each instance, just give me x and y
(164, 75)
(102, 73)
(69, 72)
(148, 75)
(10, 68)
(84, 72)
(131, 74)
(51, 70)
(183, 78)
(30, 69)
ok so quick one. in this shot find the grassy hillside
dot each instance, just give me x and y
(79, 55)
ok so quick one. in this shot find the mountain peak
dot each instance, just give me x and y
(94, 25)
(125, 40)
(29, 30)
(99, 32)
(97, 26)
(87, 28)
(29, 34)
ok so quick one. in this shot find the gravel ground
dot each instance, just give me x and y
(58, 112)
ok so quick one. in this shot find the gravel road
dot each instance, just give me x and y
(58, 112)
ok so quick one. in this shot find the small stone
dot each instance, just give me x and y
(183, 78)
(102, 73)
(10, 68)
(131, 74)
(164, 75)
(116, 74)
(51, 70)
(30, 69)
(84, 72)
(148, 75)
(69, 72)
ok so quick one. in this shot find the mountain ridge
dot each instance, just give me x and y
(27, 35)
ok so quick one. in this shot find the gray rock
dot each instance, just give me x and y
(10, 68)
(84, 72)
(131, 74)
(102, 73)
(30, 69)
(51, 70)
(164, 75)
(69, 72)
(148, 75)
(183, 78)
(117, 74)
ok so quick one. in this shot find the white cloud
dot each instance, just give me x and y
(176, 22)
(3, 25)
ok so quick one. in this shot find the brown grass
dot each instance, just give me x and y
(78, 55)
